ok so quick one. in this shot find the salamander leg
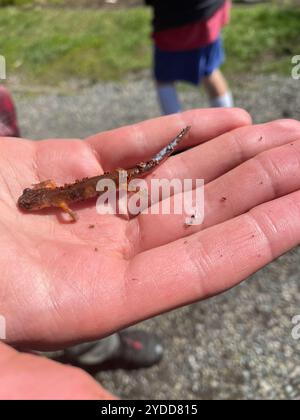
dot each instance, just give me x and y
(66, 209)
(123, 179)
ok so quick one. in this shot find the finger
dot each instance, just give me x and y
(211, 261)
(267, 176)
(28, 377)
(216, 157)
(66, 161)
(129, 145)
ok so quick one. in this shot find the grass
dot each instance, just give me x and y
(262, 39)
(51, 45)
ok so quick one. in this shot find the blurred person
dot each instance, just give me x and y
(8, 117)
(188, 47)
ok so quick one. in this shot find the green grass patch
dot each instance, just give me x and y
(52, 45)
(262, 39)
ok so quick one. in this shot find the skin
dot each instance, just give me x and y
(28, 377)
(60, 291)
(215, 85)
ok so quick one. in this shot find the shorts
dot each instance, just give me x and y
(188, 66)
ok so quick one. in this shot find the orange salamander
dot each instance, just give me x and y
(47, 194)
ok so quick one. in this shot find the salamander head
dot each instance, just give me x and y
(33, 200)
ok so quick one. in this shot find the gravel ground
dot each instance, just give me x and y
(238, 345)
(80, 112)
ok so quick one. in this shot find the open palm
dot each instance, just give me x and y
(66, 282)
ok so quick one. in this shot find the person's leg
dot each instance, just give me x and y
(168, 98)
(218, 91)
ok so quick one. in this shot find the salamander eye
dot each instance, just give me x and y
(26, 206)
(27, 190)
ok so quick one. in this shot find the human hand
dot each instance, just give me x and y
(56, 290)
(29, 377)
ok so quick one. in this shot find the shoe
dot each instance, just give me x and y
(139, 349)
(127, 350)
